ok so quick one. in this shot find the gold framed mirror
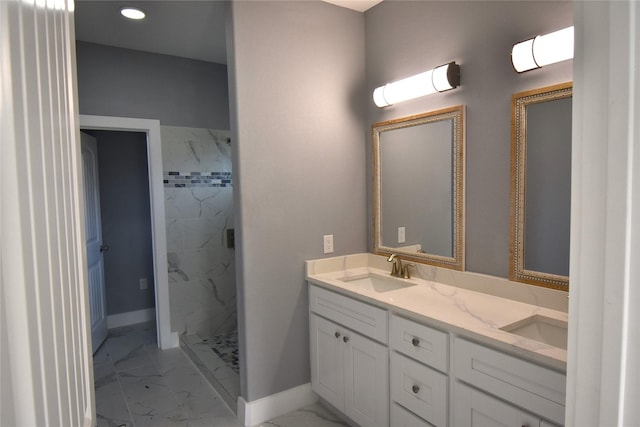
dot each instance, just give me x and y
(541, 186)
(418, 187)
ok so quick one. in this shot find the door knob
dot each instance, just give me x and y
(337, 334)
(415, 342)
(345, 339)
(104, 248)
(415, 389)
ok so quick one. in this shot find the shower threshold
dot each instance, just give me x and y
(220, 367)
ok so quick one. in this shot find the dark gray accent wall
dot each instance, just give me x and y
(126, 219)
(407, 37)
(128, 83)
(296, 74)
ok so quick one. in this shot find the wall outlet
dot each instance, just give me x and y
(401, 235)
(144, 284)
(328, 243)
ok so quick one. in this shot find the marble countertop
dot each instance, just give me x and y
(465, 312)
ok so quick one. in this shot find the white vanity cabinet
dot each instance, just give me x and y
(382, 366)
(497, 389)
(419, 365)
(349, 369)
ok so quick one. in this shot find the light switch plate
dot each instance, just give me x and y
(401, 235)
(328, 243)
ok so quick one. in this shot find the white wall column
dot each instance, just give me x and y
(603, 367)
(45, 347)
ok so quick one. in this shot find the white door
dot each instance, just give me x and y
(95, 261)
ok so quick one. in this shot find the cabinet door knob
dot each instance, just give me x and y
(415, 389)
(415, 342)
(337, 334)
(345, 339)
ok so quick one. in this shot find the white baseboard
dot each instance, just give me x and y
(269, 407)
(130, 318)
(173, 341)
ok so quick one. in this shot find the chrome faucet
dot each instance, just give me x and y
(396, 267)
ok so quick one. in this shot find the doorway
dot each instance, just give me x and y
(125, 222)
(151, 129)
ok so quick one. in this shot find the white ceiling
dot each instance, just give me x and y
(192, 29)
(359, 5)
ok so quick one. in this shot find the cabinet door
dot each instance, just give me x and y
(366, 381)
(472, 408)
(327, 360)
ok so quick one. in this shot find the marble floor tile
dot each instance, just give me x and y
(102, 355)
(188, 381)
(139, 385)
(112, 409)
(314, 415)
(227, 421)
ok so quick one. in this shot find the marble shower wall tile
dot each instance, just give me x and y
(195, 150)
(201, 267)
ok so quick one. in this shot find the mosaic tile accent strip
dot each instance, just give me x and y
(226, 347)
(175, 179)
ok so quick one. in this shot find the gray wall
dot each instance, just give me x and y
(407, 37)
(296, 77)
(126, 219)
(128, 83)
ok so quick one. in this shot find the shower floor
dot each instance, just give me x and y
(217, 359)
(226, 347)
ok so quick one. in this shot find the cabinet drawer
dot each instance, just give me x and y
(400, 417)
(361, 317)
(473, 408)
(419, 388)
(532, 387)
(420, 342)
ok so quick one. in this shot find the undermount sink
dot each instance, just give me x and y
(542, 329)
(377, 283)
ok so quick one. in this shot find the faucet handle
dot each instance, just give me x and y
(405, 271)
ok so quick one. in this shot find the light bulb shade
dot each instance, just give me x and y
(132, 13)
(522, 56)
(440, 79)
(446, 77)
(554, 47)
(543, 50)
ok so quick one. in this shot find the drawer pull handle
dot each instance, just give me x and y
(345, 339)
(415, 342)
(415, 389)
(337, 334)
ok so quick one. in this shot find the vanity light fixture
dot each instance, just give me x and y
(543, 50)
(132, 13)
(440, 79)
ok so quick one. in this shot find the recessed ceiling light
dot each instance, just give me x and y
(132, 13)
